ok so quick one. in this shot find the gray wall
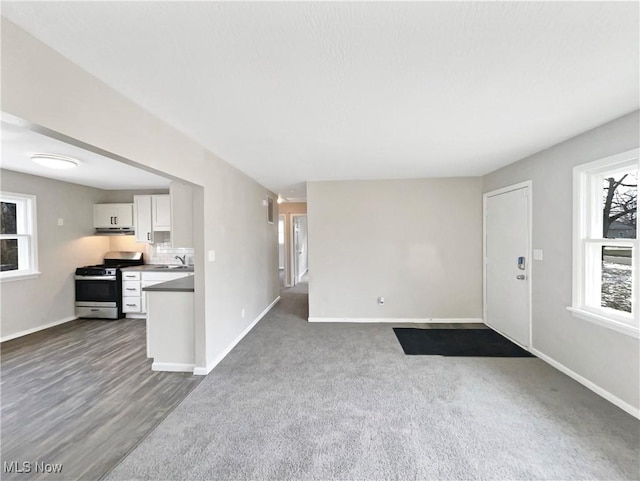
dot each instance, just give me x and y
(126, 196)
(606, 358)
(32, 303)
(228, 213)
(417, 243)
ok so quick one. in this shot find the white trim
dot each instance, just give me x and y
(171, 367)
(605, 321)
(398, 320)
(36, 329)
(203, 371)
(528, 184)
(635, 412)
(587, 226)
(609, 163)
(29, 233)
(19, 277)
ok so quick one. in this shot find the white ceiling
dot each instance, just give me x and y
(298, 91)
(19, 144)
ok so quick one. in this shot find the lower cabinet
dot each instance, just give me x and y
(133, 281)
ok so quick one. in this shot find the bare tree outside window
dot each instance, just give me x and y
(620, 206)
(8, 247)
(619, 221)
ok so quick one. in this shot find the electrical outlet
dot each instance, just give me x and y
(381, 301)
(212, 256)
(60, 221)
(242, 312)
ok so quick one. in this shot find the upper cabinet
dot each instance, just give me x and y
(161, 212)
(142, 218)
(112, 215)
(152, 213)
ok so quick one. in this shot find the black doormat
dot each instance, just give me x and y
(457, 342)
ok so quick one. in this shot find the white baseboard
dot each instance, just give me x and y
(203, 371)
(36, 329)
(172, 367)
(397, 320)
(635, 412)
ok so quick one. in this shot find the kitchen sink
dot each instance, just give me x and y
(178, 267)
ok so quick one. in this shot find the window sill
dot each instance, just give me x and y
(19, 277)
(605, 321)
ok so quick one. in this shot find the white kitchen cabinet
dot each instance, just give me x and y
(131, 293)
(131, 288)
(161, 211)
(112, 215)
(128, 275)
(132, 305)
(142, 218)
(133, 281)
(152, 213)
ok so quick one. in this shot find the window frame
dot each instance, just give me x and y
(588, 240)
(26, 220)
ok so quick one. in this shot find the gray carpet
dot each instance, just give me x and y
(300, 401)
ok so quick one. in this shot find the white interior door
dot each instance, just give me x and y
(507, 264)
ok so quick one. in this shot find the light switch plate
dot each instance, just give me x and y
(212, 256)
(60, 221)
(537, 254)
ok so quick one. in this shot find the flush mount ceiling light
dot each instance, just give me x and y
(53, 161)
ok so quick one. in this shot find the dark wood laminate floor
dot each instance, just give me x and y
(81, 394)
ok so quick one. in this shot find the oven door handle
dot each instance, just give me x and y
(95, 278)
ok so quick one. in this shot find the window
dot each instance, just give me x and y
(18, 243)
(605, 257)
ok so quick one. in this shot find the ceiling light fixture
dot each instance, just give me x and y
(53, 161)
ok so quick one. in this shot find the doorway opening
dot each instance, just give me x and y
(292, 246)
(281, 250)
(299, 248)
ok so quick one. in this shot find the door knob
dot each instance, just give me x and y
(520, 277)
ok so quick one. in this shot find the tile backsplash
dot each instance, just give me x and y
(161, 252)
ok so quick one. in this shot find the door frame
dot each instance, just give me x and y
(294, 277)
(283, 217)
(528, 184)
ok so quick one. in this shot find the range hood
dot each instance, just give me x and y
(114, 231)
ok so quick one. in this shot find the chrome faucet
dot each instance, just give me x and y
(182, 259)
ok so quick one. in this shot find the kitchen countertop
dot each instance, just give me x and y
(158, 268)
(184, 284)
